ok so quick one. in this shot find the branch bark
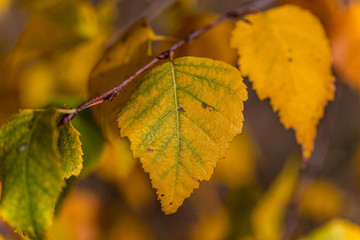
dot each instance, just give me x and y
(112, 93)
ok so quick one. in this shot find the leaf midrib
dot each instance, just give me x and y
(177, 124)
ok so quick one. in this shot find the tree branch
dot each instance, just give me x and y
(110, 94)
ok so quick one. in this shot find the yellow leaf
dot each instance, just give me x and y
(323, 9)
(180, 121)
(128, 54)
(337, 229)
(126, 48)
(345, 37)
(268, 215)
(322, 200)
(72, 69)
(286, 55)
(64, 21)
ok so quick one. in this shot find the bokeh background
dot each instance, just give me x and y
(48, 49)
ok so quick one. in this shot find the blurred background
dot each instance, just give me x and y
(48, 49)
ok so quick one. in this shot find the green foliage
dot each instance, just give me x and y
(33, 165)
(70, 148)
(30, 171)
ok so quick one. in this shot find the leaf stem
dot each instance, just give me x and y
(112, 93)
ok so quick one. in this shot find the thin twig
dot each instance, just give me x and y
(110, 94)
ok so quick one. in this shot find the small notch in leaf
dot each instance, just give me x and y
(180, 109)
(204, 105)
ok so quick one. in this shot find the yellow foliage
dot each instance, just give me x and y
(336, 229)
(36, 85)
(180, 121)
(345, 38)
(128, 54)
(116, 161)
(268, 215)
(73, 67)
(64, 22)
(286, 55)
(238, 167)
(323, 9)
(78, 217)
(322, 200)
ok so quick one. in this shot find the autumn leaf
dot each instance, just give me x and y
(131, 51)
(30, 171)
(70, 149)
(286, 55)
(34, 160)
(180, 121)
(268, 215)
(345, 37)
(336, 229)
(92, 141)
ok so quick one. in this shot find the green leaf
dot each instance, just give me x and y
(30, 171)
(90, 135)
(92, 140)
(70, 149)
(180, 121)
